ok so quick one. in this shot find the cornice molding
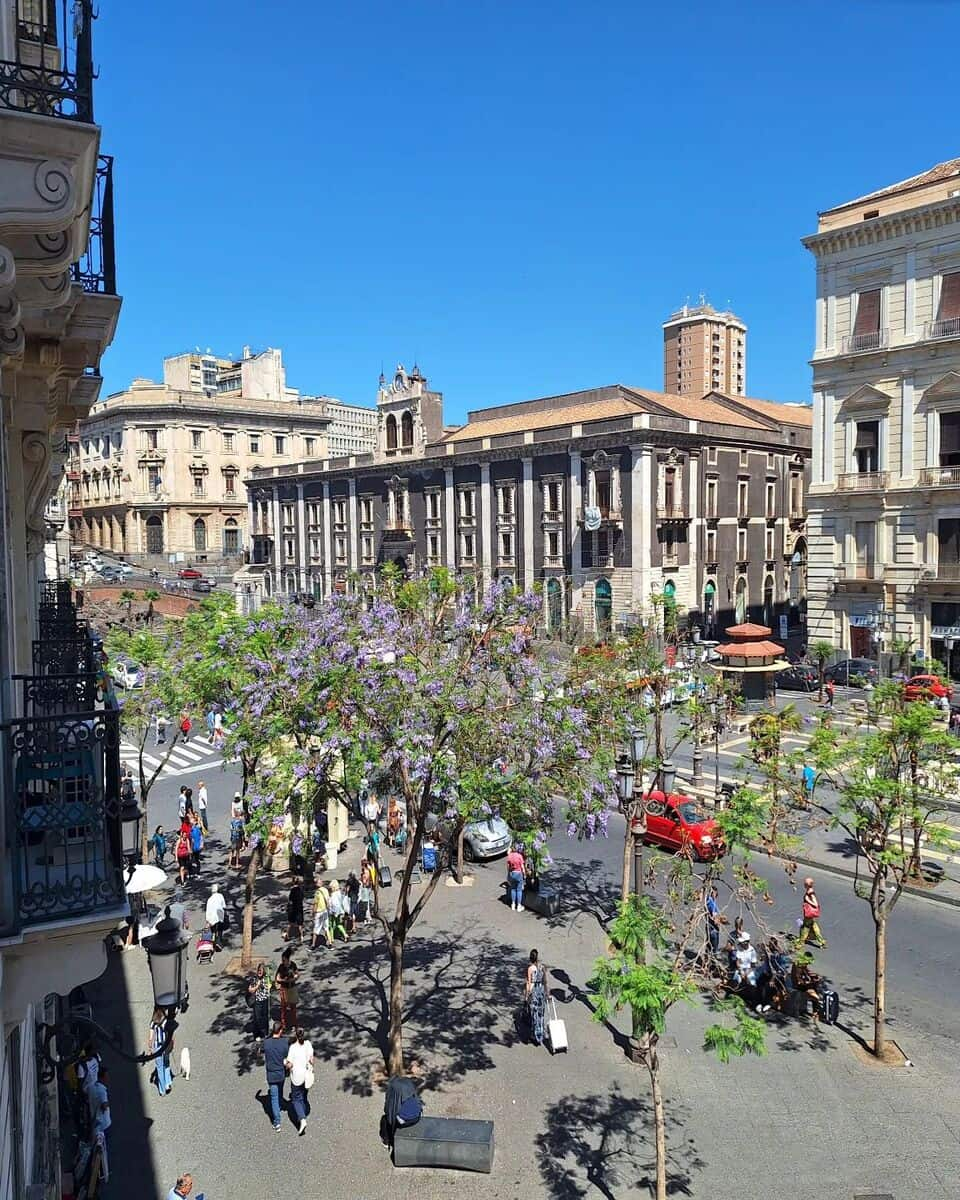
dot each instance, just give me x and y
(880, 229)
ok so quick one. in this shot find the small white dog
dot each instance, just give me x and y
(185, 1062)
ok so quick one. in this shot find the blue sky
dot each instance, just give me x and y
(516, 194)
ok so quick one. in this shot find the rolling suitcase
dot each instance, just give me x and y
(830, 1004)
(556, 1031)
(386, 876)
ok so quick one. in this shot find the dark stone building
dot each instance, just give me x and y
(603, 498)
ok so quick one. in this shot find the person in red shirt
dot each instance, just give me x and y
(516, 873)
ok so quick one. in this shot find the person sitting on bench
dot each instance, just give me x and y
(403, 1105)
(806, 983)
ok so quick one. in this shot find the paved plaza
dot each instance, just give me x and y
(573, 1126)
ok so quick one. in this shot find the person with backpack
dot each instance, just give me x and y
(128, 789)
(196, 842)
(185, 726)
(184, 854)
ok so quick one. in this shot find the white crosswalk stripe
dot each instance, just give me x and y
(181, 760)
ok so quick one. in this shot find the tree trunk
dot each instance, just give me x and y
(659, 1120)
(395, 1032)
(627, 856)
(246, 952)
(880, 983)
(459, 869)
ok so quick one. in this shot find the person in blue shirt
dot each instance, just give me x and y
(159, 844)
(714, 920)
(196, 842)
(275, 1050)
(809, 779)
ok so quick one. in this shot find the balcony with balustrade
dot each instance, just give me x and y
(938, 477)
(934, 331)
(861, 572)
(864, 343)
(863, 481)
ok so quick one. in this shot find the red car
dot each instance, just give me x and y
(677, 822)
(925, 687)
(189, 573)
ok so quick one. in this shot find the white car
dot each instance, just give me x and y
(127, 675)
(124, 570)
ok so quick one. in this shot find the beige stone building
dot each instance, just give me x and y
(884, 502)
(155, 472)
(704, 351)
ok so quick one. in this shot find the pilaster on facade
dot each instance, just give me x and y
(327, 541)
(450, 519)
(576, 534)
(303, 555)
(529, 570)
(487, 518)
(352, 527)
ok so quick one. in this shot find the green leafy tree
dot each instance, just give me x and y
(891, 784)
(649, 970)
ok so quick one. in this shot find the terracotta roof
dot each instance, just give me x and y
(699, 409)
(750, 650)
(749, 629)
(531, 418)
(790, 414)
(941, 171)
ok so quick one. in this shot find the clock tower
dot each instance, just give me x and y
(409, 415)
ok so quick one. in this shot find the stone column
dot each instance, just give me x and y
(486, 517)
(302, 554)
(906, 427)
(352, 552)
(642, 502)
(574, 539)
(693, 527)
(327, 543)
(529, 570)
(277, 540)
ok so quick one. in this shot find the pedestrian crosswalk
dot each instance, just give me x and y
(184, 758)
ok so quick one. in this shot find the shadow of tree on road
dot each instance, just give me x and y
(605, 1143)
(585, 890)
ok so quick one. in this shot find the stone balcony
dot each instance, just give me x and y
(863, 481)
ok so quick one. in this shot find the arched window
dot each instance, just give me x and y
(154, 529)
(267, 583)
(554, 605)
(741, 600)
(709, 605)
(603, 606)
(406, 430)
(768, 601)
(231, 536)
(391, 432)
(200, 535)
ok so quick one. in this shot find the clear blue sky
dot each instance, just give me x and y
(516, 194)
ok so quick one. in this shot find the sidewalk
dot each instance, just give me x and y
(575, 1127)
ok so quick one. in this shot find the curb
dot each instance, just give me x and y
(846, 873)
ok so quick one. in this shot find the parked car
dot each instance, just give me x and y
(202, 585)
(110, 574)
(677, 822)
(854, 672)
(801, 677)
(486, 839)
(126, 674)
(123, 570)
(925, 687)
(189, 573)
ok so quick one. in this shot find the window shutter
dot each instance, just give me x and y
(950, 433)
(868, 312)
(949, 298)
(868, 435)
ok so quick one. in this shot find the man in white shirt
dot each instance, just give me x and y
(216, 911)
(299, 1061)
(746, 959)
(371, 810)
(100, 1112)
(202, 807)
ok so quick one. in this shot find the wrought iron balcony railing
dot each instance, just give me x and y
(949, 327)
(64, 655)
(860, 343)
(46, 695)
(97, 269)
(51, 71)
(61, 783)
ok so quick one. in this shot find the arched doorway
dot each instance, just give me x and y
(709, 607)
(200, 535)
(267, 583)
(554, 605)
(603, 606)
(406, 429)
(740, 607)
(154, 528)
(231, 536)
(670, 610)
(391, 432)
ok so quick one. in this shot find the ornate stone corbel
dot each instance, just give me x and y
(38, 487)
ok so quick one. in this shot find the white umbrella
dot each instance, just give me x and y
(144, 878)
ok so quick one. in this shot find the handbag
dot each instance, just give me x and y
(308, 1077)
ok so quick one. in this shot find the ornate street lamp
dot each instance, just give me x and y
(167, 957)
(668, 773)
(626, 775)
(131, 818)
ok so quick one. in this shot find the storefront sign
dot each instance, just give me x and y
(942, 631)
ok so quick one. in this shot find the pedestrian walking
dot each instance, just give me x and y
(373, 845)
(535, 996)
(218, 728)
(809, 777)
(202, 807)
(100, 1106)
(275, 1050)
(831, 689)
(321, 916)
(340, 918)
(236, 829)
(811, 916)
(185, 726)
(295, 912)
(156, 1037)
(160, 729)
(196, 842)
(364, 895)
(372, 809)
(184, 855)
(287, 974)
(259, 991)
(182, 803)
(210, 718)
(714, 919)
(159, 845)
(215, 912)
(188, 800)
(128, 790)
(516, 871)
(184, 1185)
(300, 1065)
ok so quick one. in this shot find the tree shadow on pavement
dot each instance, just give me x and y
(585, 890)
(604, 1142)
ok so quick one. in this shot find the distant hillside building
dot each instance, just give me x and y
(704, 351)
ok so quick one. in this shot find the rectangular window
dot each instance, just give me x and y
(867, 320)
(289, 548)
(309, 446)
(279, 445)
(712, 455)
(743, 460)
(505, 501)
(198, 488)
(287, 515)
(340, 547)
(231, 540)
(254, 443)
(366, 548)
(314, 548)
(313, 515)
(506, 546)
(743, 498)
(950, 439)
(865, 541)
(771, 499)
(152, 439)
(366, 510)
(339, 512)
(947, 323)
(741, 545)
(228, 443)
(229, 483)
(466, 547)
(553, 544)
(866, 449)
(433, 548)
(553, 498)
(712, 486)
(196, 439)
(433, 506)
(768, 550)
(711, 545)
(466, 504)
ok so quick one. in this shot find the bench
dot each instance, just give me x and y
(545, 900)
(445, 1142)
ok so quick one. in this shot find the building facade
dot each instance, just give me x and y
(884, 506)
(155, 472)
(61, 870)
(352, 428)
(704, 351)
(602, 498)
